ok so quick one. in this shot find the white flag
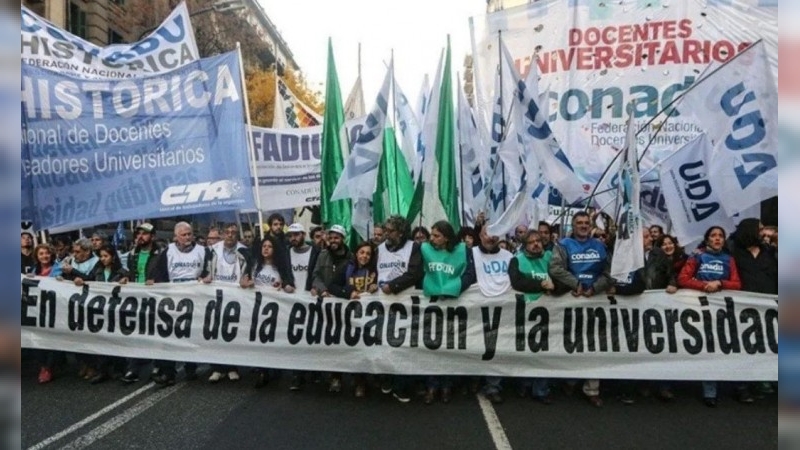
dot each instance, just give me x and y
(536, 134)
(410, 133)
(738, 108)
(354, 106)
(629, 247)
(691, 198)
(360, 173)
(290, 111)
(432, 209)
(469, 147)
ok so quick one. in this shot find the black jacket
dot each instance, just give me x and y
(133, 260)
(760, 273)
(98, 274)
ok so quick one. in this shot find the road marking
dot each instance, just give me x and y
(493, 423)
(122, 418)
(76, 426)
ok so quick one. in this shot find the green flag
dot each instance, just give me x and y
(446, 146)
(333, 141)
(395, 187)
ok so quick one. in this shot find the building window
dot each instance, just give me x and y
(114, 37)
(77, 21)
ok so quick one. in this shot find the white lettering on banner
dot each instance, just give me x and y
(200, 192)
(588, 256)
(683, 336)
(69, 99)
(169, 46)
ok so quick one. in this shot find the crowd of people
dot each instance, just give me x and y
(439, 261)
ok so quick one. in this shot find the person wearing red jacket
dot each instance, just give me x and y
(711, 270)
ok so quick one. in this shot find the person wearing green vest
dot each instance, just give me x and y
(528, 269)
(528, 274)
(444, 260)
(447, 275)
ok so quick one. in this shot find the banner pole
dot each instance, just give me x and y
(250, 150)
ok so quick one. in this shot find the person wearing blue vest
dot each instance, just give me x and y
(580, 265)
(711, 270)
(448, 271)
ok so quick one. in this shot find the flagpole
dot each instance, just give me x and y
(394, 139)
(461, 151)
(250, 150)
(502, 119)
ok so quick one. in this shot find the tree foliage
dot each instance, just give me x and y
(217, 33)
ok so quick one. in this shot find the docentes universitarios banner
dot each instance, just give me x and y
(595, 58)
(683, 336)
(106, 151)
(168, 47)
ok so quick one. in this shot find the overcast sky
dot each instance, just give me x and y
(416, 30)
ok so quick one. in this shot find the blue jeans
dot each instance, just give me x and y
(709, 389)
(492, 385)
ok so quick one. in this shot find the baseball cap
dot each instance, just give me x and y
(338, 229)
(146, 227)
(296, 228)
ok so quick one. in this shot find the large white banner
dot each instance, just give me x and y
(683, 336)
(168, 47)
(595, 58)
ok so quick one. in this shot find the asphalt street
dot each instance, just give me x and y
(70, 413)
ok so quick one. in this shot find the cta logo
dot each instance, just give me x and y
(184, 194)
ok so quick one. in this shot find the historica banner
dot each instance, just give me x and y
(683, 336)
(106, 151)
(169, 46)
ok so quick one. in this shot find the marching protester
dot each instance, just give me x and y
(711, 270)
(318, 238)
(81, 263)
(183, 261)
(420, 234)
(546, 235)
(377, 234)
(62, 245)
(520, 232)
(248, 237)
(757, 263)
(447, 274)
(303, 258)
(109, 269)
(656, 231)
(399, 267)
(141, 261)
(45, 266)
(656, 274)
(28, 260)
(581, 266)
(329, 262)
(490, 270)
(528, 273)
(270, 269)
(99, 239)
(231, 261)
(468, 236)
(351, 281)
(669, 244)
(213, 237)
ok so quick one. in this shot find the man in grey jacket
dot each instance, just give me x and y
(330, 260)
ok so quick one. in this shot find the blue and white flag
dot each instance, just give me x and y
(114, 150)
(628, 247)
(410, 131)
(538, 137)
(470, 146)
(738, 109)
(693, 202)
(360, 173)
